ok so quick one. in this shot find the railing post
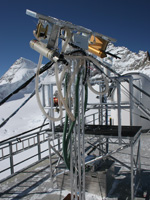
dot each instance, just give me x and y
(119, 110)
(38, 146)
(11, 158)
(94, 119)
(132, 172)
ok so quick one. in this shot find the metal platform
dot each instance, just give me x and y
(106, 135)
(108, 131)
(130, 136)
(112, 131)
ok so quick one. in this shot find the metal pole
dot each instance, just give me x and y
(132, 172)
(82, 133)
(11, 158)
(108, 154)
(119, 111)
(72, 177)
(76, 167)
(49, 104)
(38, 146)
(106, 122)
(139, 155)
(43, 95)
(71, 170)
(100, 102)
(50, 160)
(138, 162)
(131, 98)
(52, 109)
(94, 119)
(79, 151)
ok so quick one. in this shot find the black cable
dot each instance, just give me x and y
(6, 120)
(77, 52)
(144, 117)
(104, 65)
(130, 94)
(113, 55)
(110, 69)
(43, 69)
(137, 114)
(113, 71)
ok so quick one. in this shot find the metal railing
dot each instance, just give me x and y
(17, 145)
(28, 146)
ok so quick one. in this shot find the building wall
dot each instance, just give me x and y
(142, 81)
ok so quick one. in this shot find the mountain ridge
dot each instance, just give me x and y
(23, 69)
(20, 63)
(129, 61)
(18, 73)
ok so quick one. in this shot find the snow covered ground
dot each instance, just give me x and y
(28, 116)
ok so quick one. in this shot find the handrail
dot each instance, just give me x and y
(13, 146)
(23, 133)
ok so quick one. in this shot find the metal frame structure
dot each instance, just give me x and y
(80, 138)
(126, 142)
(77, 159)
(49, 31)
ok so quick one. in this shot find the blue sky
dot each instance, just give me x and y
(128, 21)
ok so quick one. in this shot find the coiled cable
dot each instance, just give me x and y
(70, 115)
(99, 92)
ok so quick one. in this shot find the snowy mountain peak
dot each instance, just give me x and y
(23, 62)
(20, 70)
(129, 61)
